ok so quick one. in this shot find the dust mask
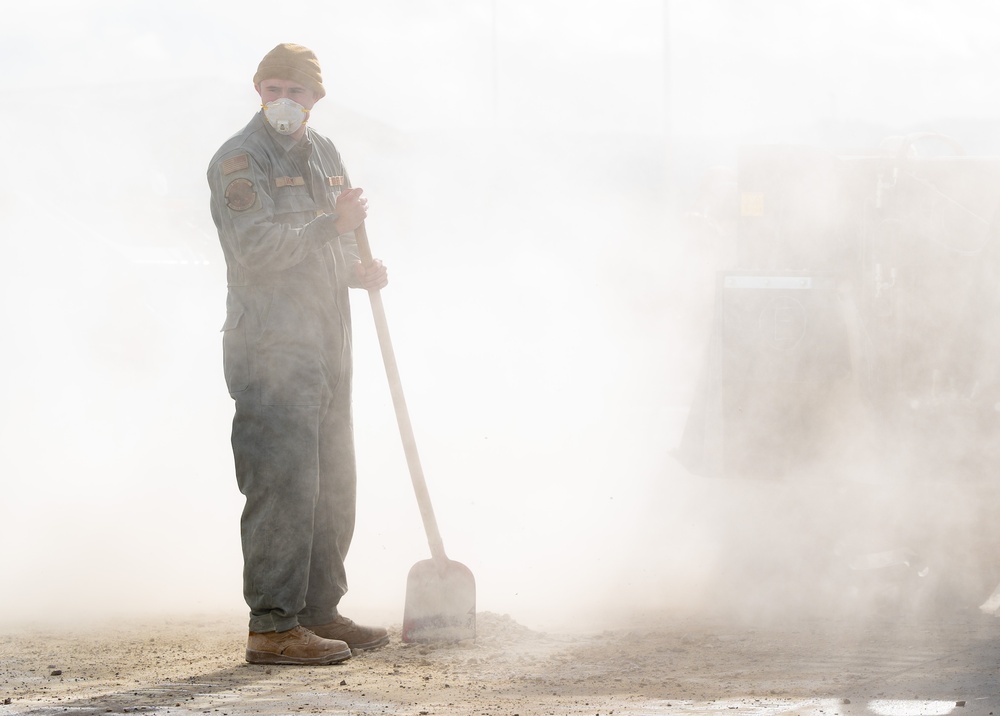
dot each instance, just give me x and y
(285, 115)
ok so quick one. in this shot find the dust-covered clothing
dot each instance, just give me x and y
(287, 361)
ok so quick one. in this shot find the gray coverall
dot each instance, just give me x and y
(287, 360)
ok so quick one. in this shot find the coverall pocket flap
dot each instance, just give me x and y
(235, 352)
(234, 313)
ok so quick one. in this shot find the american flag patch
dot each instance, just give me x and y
(335, 181)
(235, 164)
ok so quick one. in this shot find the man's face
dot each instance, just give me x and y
(271, 90)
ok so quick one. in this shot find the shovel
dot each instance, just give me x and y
(440, 593)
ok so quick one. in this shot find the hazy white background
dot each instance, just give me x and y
(524, 161)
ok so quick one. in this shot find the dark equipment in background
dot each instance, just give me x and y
(866, 284)
(855, 349)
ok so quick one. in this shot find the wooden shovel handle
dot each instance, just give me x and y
(399, 403)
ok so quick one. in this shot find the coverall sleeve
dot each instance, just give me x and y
(244, 212)
(349, 250)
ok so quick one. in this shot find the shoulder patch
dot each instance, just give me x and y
(335, 181)
(240, 194)
(235, 164)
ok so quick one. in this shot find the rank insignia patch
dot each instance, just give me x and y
(240, 194)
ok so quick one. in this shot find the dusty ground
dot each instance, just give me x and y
(671, 664)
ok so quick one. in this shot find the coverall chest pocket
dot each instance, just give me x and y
(332, 192)
(333, 184)
(293, 204)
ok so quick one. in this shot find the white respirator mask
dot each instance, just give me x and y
(285, 115)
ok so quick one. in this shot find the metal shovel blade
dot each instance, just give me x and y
(440, 602)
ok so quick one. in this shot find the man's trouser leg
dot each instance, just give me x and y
(277, 468)
(333, 521)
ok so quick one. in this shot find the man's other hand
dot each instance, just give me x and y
(373, 276)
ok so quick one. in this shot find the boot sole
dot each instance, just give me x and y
(270, 658)
(372, 644)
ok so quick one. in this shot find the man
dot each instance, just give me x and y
(285, 213)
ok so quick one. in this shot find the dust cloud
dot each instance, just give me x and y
(537, 177)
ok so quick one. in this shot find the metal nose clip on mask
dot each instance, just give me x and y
(285, 115)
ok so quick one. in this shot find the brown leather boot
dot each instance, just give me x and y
(357, 636)
(295, 646)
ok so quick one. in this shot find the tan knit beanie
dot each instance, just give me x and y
(293, 62)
